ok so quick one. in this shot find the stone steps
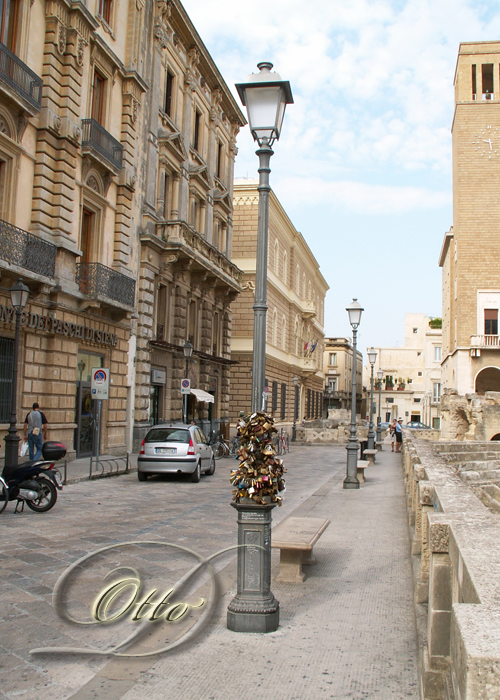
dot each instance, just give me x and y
(471, 456)
(466, 447)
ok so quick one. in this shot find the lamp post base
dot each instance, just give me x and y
(254, 608)
(351, 481)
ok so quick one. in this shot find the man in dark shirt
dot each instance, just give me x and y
(399, 434)
(35, 429)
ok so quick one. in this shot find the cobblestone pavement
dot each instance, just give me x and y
(348, 631)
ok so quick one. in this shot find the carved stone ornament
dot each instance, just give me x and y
(439, 536)
(56, 124)
(164, 9)
(135, 110)
(61, 44)
(77, 134)
(22, 123)
(80, 54)
(426, 493)
(160, 33)
(190, 79)
(249, 285)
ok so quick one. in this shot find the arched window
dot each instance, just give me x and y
(285, 266)
(284, 342)
(276, 257)
(296, 336)
(275, 328)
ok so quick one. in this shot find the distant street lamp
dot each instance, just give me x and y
(380, 374)
(265, 96)
(295, 381)
(372, 357)
(351, 481)
(188, 351)
(19, 294)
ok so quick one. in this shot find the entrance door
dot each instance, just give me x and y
(84, 433)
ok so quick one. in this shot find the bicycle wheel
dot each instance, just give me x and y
(4, 495)
(218, 450)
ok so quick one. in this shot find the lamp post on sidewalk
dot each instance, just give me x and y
(254, 608)
(351, 481)
(188, 351)
(19, 293)
(265, 96)
(295, 381)
(372, 357)
(380, 375)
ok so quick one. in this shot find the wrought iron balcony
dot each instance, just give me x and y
(20, 78)
(98, 281)
(96, 139)
(19, 247)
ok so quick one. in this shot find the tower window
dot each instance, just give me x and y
(474, 82)
(491, 322)
(487, 80)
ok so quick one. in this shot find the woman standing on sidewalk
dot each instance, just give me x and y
(398, 429)
(392, 432)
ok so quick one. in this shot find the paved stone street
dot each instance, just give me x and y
(348, 631)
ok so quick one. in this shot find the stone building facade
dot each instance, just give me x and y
(70, 93)
(471, 280)
(337, 366)
(296, 293)
(186, 278)
(117, 141)
(411, 386)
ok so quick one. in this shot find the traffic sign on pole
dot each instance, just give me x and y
(186, 386)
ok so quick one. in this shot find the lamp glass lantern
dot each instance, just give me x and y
(354, 310)
(372, 355)
(265, 96)
(380, 374)
(19, 294)
(187, 349)
(295, 381)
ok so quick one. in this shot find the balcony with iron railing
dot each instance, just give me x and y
(20, 80)
(24, 249)
(99, 282)
(99, 143)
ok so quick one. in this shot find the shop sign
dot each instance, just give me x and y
(51, 324)
(158, 376)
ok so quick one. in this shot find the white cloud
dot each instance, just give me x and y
(360, 197)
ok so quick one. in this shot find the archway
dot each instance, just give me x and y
(488, 379)
(496, 437)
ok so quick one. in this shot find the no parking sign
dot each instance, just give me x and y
(186, 386)
(99, 383)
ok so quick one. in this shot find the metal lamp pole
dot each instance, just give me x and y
(188, 351)
(254, 608)
(380, 374)
(19, 293)
(372, 356)
(351, 481)
(295, 381)
(265, 96)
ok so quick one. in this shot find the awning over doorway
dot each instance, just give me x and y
(202, 395)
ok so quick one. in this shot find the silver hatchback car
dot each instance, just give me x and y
(175, 449)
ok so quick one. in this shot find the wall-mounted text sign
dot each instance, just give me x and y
(51, 324)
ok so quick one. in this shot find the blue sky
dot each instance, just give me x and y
(363, 167)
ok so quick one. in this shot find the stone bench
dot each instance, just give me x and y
(370, 456)
(295, 538)
(379, 446)
(362, 464)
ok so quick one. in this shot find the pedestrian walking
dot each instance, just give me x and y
(35, 429)
(398, 430)
(392, 433)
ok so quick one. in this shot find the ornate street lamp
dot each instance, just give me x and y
(188, 351)
(19, 294)
(351, 481)
(255, 609)
(265, 96)
(372, 357)
(380, 375)
(295, 381)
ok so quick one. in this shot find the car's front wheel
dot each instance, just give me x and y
(211, 469)
(195, 476)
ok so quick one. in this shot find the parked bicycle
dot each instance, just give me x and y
(282, 442)
(225, 448)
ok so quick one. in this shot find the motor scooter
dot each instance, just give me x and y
(34, 482)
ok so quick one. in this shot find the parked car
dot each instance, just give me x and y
(384, 426)
(175, 449)
(418, 425)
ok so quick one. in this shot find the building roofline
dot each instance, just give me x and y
(446, 244)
